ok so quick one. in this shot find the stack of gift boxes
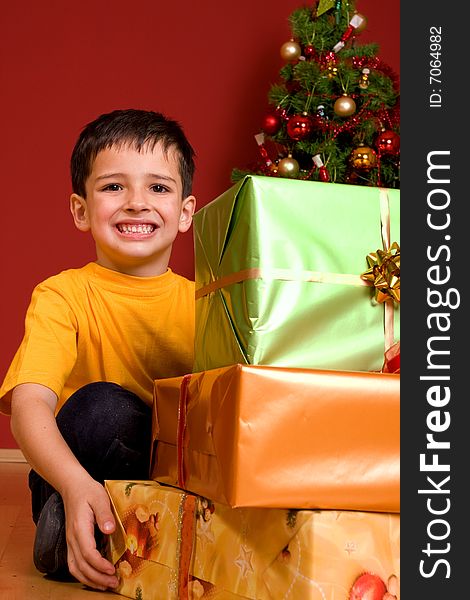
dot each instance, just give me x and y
(275, 464)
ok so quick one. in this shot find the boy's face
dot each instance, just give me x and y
(134, 208)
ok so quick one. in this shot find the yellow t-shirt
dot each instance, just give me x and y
(94, 324)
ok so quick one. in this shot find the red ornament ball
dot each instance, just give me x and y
(368, 587)
(299, 127)
(388, 143)
(309, 51)
(271, 124)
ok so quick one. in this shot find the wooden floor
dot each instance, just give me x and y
(19, 580)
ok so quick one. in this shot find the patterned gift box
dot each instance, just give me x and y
(277, 437)
(278, 275)
(170, 545)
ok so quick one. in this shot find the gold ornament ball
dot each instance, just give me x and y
(290, 51)
(344, 106)
(288, 167)
(363, 158)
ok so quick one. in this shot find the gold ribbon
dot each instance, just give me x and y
(386, 259)
(280, 274)
(384, 273)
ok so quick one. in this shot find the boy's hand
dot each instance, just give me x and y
(85, 500)
(86, 504)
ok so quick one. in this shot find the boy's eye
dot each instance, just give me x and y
(112, 187)
(159, 188)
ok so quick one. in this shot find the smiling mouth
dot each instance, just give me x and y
(128, 228)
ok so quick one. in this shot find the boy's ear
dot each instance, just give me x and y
(79, 210)
(187, 211)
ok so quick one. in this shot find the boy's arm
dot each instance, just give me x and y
(34, 427)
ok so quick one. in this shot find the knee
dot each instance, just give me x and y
(108, 428)
(105, 408)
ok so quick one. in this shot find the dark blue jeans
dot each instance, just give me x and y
(108, 428)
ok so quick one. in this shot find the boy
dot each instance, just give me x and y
(79, 389)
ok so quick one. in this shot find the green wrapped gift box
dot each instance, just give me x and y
(278, 275)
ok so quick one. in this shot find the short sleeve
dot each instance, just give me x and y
(48, 350)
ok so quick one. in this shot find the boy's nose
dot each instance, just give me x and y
(135, 202)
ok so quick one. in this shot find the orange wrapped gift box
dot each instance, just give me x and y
(170, 545)
(258, 436)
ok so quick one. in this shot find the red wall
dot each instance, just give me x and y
(208, 64)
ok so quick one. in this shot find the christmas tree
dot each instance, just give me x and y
(335, 110)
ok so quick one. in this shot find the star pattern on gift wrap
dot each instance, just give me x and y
(243, 561)
(204, 532)
(350, 547)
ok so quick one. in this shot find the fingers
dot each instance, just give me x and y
(91, 569)
(85, 562)
(103, 515)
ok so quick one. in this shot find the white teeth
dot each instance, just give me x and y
(140, 228)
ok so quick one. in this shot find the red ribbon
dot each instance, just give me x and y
(392, 359)
(182, 436)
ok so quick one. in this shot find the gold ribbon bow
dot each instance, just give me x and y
(384, 273)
